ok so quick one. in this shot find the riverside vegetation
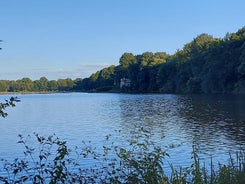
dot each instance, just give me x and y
(50, 160)
(141, 161)
(205, 65)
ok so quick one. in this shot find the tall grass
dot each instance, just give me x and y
(142, 161)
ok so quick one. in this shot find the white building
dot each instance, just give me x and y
(125, 82)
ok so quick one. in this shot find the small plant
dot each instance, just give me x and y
(234, 172)
(143, 161)
(37, 166)
(196, 168)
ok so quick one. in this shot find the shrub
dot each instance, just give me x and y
(141, 161)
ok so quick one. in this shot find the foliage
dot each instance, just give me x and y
(205, 65)
(140, 161)
(7, 103)
(42, 85)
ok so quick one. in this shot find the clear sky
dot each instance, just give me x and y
(74, 38)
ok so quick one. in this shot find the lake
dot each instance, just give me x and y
(215, 122)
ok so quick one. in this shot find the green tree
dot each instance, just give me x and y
(126, 60)
(106, 76)
(65, 84)
(36, 85)
(107, 72)
(241, 68)
(52, 85)
(86, 84)
(145, 72)
(4, 86)
(43, 82)
(25, 84)
(159, 58)
(11, 86)
(146, 59)
(199, 45)
(95, 76)
(128, 68)
(166, 77)
(78, 84)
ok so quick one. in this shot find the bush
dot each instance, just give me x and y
(141, 161)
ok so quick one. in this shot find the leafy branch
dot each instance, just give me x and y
(8, 103)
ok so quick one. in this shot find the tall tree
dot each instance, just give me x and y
(52, 85)
(25, 84)
(65, 84)
(127, 59)
(43, 81)
(4, 86)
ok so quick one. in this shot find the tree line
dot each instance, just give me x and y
(42, 85)
(205, 65)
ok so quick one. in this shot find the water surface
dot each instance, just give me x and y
(216, 123)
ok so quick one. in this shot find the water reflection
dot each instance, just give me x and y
(217, 118)
(216, 123)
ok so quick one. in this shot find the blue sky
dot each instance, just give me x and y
(74, 38)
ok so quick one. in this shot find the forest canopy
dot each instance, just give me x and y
(205, 65)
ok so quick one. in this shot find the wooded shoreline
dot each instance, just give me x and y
(205, 65)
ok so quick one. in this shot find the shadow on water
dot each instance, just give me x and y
(220, 117)
(215, 122)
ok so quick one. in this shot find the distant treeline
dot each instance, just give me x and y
(205, 65)
(42, 85)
